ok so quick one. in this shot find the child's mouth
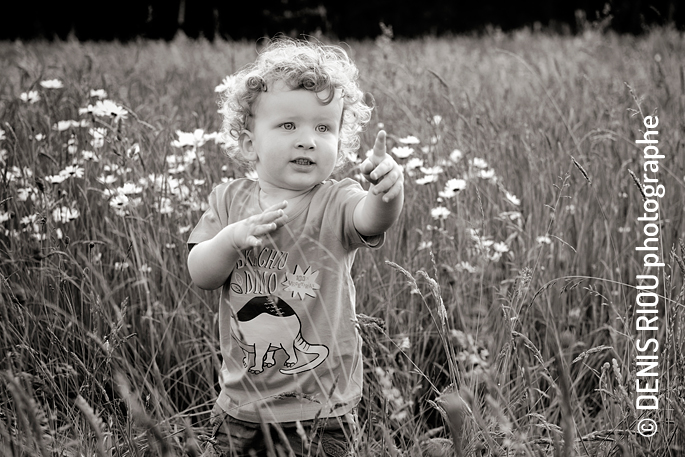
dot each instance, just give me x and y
(303, 162)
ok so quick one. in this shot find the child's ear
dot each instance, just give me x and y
(246, 144)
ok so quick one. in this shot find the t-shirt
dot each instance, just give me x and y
(289, 344)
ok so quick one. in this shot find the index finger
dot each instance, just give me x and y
(379, 148)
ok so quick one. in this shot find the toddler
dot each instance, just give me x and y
(281, 248)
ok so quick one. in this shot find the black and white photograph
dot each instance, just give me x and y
(301, 228)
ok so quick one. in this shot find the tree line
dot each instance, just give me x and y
(349, 19)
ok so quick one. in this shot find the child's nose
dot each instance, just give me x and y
(305, 142)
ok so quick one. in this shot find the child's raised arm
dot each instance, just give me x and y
(211, 262)
(382, 205)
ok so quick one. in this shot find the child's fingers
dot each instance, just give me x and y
(277, 206)
(394, 192)
(379, 148)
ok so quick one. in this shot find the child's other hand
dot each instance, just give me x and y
(382, 171)
(248, 233)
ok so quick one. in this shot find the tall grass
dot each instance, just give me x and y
(509, 320)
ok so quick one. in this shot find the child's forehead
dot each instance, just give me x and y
(279, 93)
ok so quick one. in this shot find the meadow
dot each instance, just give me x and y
(498, 318)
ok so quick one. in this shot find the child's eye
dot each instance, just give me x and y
(322, 128)
(288, 126)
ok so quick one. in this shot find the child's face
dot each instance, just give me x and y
(294, 137)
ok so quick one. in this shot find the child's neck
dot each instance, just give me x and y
(269, 196)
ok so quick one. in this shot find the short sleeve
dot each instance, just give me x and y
(212, 221)
(346, 196)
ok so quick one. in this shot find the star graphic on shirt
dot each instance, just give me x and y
(301, 283)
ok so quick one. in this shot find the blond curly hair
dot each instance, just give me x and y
(300, 65)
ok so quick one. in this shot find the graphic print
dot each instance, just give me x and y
(302, 283)
(268, 324)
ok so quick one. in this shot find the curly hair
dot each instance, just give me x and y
(300, 65)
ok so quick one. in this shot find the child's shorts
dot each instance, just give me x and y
(235, 438)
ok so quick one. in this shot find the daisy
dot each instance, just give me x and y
(500, 247)
(195, 139)
(456, 155)
(452, 187)
(56, 179)
(64, 214)
(52, 84)
(30, 96)
(225, 84)
(512, 198)
(479, 163)
(409, 140)
(402, 152)
(440, 212)
(427, 179)
(99, 93)
(543, 240)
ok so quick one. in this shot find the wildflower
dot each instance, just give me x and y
(119, 202)
(121, 266)
(133, 151)
(52, 84)
(106, 179)
(402, 152)
(456, 155)
(5, 216)
(427, 179)
(72, 171)
(89, 156)
(129, 188)
(543, 240)
(409, 140)
(512, 199)
(571, 209)
(436, 170)
(185, 229)
(452, 187)
(412, 164)
(65, 214)
(30, 96)
(61, 126)
(3, 155)
(98, 135)
(225, 84)
(164, 206)
(625, 229)
(440, 212)
(500, 247)
(2, 135)
(199, 182)
(73, 147)
(99, 93)
(39, 137)
(435, 139)
(479, 163)
(425, 245)
(487, 174)
(145, 269)
(194, 140)
(104, 108)
(56, 179)
(23, 193)
(437, 119)
(511, 215)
